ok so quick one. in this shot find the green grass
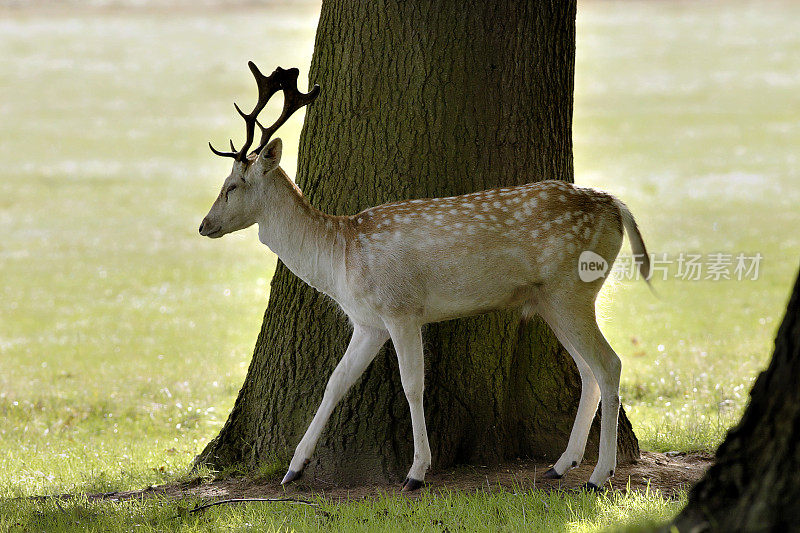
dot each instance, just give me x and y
(450, 511)
(124, 337)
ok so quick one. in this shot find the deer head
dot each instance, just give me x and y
(242, 193)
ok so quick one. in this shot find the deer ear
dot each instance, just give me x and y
(271, 154)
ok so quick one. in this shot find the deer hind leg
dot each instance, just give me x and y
(364, 345)
(587, 407)
(576, 327)
(407, 339)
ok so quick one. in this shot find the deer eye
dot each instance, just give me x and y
(228, 191)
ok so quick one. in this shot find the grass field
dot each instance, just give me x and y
(124, 336)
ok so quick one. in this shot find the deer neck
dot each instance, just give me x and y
(308, 241)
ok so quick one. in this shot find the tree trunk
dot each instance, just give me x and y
(421, 99)
(755, 483)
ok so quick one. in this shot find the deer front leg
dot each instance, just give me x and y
(407, 339)
(364, 345)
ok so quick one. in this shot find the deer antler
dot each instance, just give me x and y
(293, 100)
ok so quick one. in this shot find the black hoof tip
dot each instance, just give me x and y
(290, 476)
(552, 474)
(411, 484)
(590, 487)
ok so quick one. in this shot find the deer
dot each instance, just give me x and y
(395, 267)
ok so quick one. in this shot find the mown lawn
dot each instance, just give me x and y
(124, 337)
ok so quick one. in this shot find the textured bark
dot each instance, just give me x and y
(421, 99)
(755, 482)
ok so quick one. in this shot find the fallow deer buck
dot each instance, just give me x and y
(395, 267)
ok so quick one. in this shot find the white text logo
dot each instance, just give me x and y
(591, 266)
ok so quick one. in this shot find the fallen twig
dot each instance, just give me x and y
(242, 500)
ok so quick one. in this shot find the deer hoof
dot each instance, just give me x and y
(552, 474)
(290, 476)
(589, 487)
(411, 484)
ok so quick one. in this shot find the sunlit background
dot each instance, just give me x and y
(124, 336)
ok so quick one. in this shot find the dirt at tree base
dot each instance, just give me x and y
(668, 473)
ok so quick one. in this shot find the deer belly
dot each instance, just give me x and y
(468, 295)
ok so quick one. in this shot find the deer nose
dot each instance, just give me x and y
(203, 224)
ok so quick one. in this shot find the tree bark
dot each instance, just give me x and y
(421, 99)
(755, 483)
